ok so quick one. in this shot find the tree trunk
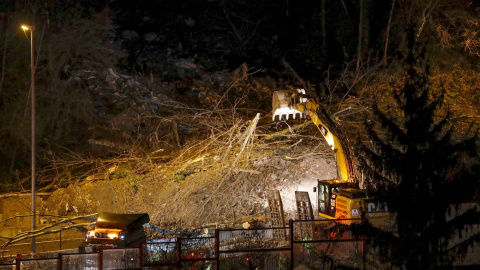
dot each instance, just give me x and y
(324, 27)
(176, 134)
(288, 6)
(388, 34)
(4, 54)
(362, 32)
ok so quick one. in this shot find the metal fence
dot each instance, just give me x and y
(317, 244)
(68, 239)
(259, 248)
(40, 264)
(326, 244)
(88, 261)
(265, 248)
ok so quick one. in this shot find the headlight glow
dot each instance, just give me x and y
(104, 233)
(113, 235)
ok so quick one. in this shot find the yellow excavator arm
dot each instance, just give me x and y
(294, 102)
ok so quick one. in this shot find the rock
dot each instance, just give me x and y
(130, 35)
(150, 37)
(185, 64)
(124, 121)
(190, 22)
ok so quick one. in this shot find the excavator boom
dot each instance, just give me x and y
(294, 103)
(340, 197)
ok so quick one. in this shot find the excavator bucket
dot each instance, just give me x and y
(282, 104)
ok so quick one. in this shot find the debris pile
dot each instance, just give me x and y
(207, 162)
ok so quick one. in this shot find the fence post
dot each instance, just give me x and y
(217, 249)
(179, 252)
(100, 259)
(290, 226)
(59, 261)
(362, 216)
(18, 263)
(140, 254)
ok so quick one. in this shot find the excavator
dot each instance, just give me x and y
(342, 197)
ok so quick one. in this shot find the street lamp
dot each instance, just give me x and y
(31, 28)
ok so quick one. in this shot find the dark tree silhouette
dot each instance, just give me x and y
(422, 167)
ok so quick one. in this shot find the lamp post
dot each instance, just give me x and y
(31, 28)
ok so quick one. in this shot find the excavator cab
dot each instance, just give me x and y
(328, 191)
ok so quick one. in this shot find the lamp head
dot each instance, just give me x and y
(28, 27)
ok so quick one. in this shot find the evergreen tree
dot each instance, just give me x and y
(422, 168)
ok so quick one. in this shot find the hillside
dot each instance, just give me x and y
(209, 163)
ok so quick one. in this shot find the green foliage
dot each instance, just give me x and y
(132, 177)
(122, 172)
(421, 169)
(179, 176)
(133, 180)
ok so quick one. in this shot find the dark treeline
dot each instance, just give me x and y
(151, 38)
(310, 35)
